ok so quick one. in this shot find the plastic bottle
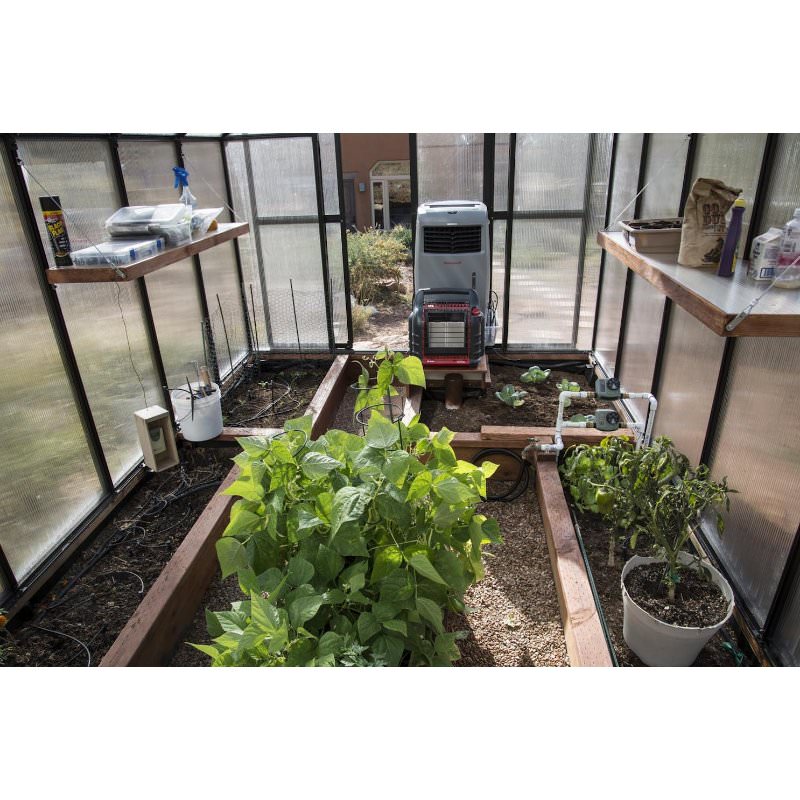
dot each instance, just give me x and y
(790, 251)
(726, 261)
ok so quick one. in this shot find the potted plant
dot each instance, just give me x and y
(673, 602)
(395, 372)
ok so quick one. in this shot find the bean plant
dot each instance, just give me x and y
(391, 368)
(348, 549)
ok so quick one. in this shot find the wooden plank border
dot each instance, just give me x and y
(583, 631)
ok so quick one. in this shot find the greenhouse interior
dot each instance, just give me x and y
(252, 382)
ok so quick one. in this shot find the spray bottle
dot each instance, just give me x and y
(182, 182)
(727, 259)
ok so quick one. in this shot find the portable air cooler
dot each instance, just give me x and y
(446, 326)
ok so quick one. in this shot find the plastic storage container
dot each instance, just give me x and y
(117, 252)
(787, 272)
(654, 235)
(201, 419)
(173, 221)
(764, 255)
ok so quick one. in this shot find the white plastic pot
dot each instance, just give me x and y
(658, 643)
(206, 421)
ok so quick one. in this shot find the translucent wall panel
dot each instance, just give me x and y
(595, 220)
(147, 168)
(105, 322)
(283, 177)
(544, 273)
(501, 171)
(757, 446)
(784, 187)
(336, 271)
(626, 176)
(550, 171)
(330, 183)
(642, 330)
(47, 480)
(178, 320)
(292, 253)
(692, 356)
(450, 166)
(734, 158)
(499, 270)
(666, 165)
(222, 289)
(248, 245)
(609, 315)
(203, 162)
(786, 639)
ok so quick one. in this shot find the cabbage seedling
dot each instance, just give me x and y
(567, 386)
(510, 396)
(535, 375)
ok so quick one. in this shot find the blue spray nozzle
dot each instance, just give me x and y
(181, 177)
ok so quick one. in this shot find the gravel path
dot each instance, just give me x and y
(514, 619)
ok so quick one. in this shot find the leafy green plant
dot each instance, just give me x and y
(567, 386)
(392, 368)
(511, 396)
(535, 375)
(402, 235)
(592, 475)
(361, 315)
(349, 549)
(375, 258)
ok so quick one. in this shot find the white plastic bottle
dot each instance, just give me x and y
(790, 251)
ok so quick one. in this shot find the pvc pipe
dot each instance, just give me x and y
(651, 414)
(558, 442)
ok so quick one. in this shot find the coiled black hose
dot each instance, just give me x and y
(519, 486)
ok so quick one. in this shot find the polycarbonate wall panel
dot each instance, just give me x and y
(550, 171)
(786, 638)
(248, 253)
(293, 262)
(544, 273)
(783, 196)
(666, 165)
(147, 169)
(757, 445)
(47, 479)
(203, 162)
(224, 299)
(642, 331)
(734, 158)
(609, 315)
(333, 233)
(105, 321)
(597, 196)
(450, 166)
(501, 171)
(283, 177)
(176, 311)
(692, 356)
(330, 182)
(499, 271)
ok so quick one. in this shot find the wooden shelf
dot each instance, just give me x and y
(130, 272)
(715, 301)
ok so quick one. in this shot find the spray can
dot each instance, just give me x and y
(56, 230)
(726, 261)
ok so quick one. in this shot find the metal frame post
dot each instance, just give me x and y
(413, 166)
(512, 156)
(587, 211)
(762, 187)
(323, 240)
(50, 295)
(488, 194)
(337, 143)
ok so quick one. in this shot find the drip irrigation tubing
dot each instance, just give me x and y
(520, 484)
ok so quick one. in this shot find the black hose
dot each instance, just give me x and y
(519, 486)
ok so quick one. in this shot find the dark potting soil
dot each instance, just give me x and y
(716, 653)
(105, 582)
(275, 392)
(541, 403)
(698, 601)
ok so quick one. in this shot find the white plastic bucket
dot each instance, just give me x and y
(206, 423)
(658, 643)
